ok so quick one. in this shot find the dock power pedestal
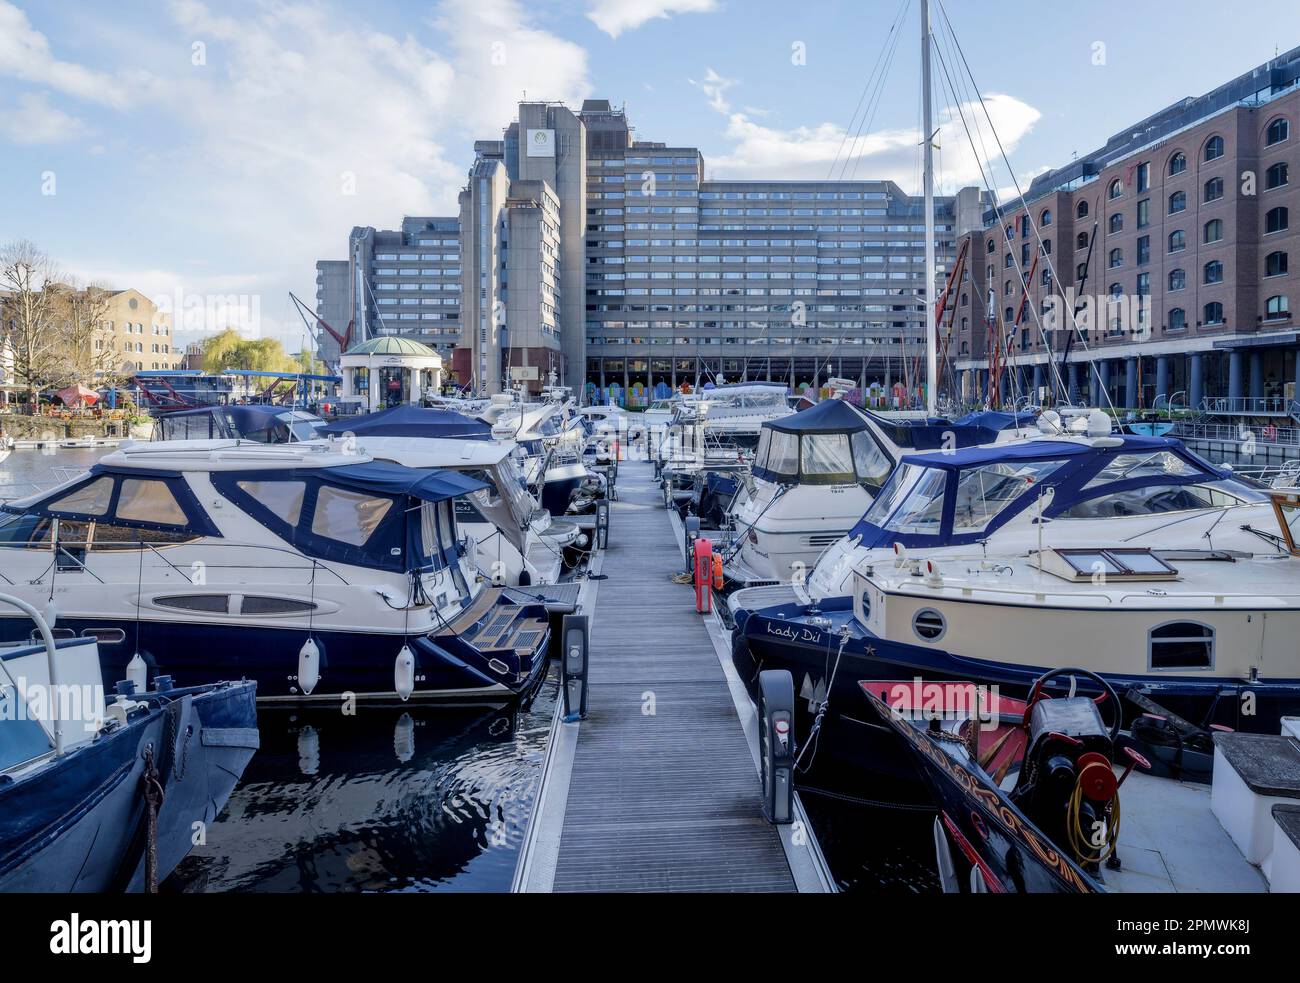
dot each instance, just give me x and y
(776, 748)
(574, 665)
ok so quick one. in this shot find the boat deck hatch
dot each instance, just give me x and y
(1119, 564)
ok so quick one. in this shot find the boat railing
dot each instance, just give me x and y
(51, 655)
(1116, 599)
(196, 568)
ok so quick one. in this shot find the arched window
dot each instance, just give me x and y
(1081, 241)
(1277, 131)
(991, 246)
(1047, 247)
(1177, 319)
(1213, 148)
(1116, 291)
(1214, 189)
(1116, 258)
(1277, 176)
(1115, 190)
(1213, 230)
(1177, 279)
(1213, 272)
(1177, 163)
(1277, 307)
(1276, 220)
(1177, 201)
(1115, 223)
(1177, 241)
(1275, 264)
(1214, 313)
(1045, 217)
(1082, 210)
(1081, 271)
(1181, 645)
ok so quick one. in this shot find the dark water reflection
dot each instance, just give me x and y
(400, 799)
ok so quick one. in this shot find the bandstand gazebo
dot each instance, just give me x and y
(390, 371)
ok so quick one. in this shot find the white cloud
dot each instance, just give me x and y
(715, 87)
(304, 123)
(33, 120)
(25, 54)
(816, 152)
(616, 16)
(497, 58)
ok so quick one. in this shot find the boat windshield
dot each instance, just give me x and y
(983, 493)
(912, 500)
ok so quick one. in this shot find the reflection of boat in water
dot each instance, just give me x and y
(388, 799)
(107, 796)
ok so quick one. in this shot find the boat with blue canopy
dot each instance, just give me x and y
(312, 568)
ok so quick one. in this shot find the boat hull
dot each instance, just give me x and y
(77, 824)
(785, 637)
(359, 664)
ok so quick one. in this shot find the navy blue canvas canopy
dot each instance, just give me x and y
(996, 419)
(828, 416)
(395, 542)
(934, 433)
(197, 522)
(1071, 481)
(387, 478)
(413, 421)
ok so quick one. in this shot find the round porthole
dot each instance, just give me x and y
(929, 625)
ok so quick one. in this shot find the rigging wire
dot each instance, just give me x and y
(1092, 364)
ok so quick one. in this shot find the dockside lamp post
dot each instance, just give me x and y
(574, 665)
(776, 744)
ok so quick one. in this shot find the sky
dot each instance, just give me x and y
(210, 152)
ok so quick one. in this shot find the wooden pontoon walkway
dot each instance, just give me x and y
(657, 789)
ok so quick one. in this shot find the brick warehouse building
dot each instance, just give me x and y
(1186, 226)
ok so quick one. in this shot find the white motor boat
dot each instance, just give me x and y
(312, 568)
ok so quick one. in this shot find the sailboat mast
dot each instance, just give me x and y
(927, 126)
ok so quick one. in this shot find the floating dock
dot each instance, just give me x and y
(658, 789)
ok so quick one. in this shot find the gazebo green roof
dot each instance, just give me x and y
(390, 345)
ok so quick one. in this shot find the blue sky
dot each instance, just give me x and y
(221, 149)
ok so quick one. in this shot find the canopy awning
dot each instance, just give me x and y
(386, 478)
(828, 416)
(77, 395)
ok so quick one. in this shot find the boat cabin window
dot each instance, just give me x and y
(983, 492)
(783, 453)
(1156, 464)
(921, 511)
(347, 516)
(144, 500)
(282, 498)
(111, 536)
(205, 603)
(1181, 645)
(827, 453)
(25, 530)
(257, 604)
(873, 466)
(1150, 500)
(89, 499)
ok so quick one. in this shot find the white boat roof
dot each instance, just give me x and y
(436, 452)
(233, 455)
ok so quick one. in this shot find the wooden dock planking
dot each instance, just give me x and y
(665, 800)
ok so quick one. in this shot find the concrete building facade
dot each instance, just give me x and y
(614, 262)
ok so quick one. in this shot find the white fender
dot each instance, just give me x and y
(308, 666)
(138, 672)
(404, 673)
